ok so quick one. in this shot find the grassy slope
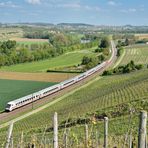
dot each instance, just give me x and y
(13, 89)
(137, 53)
(107, 92)
(60, 61)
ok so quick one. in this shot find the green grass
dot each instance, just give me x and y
(41, 66)
(137, 53)
(30, 42)
(13, 89)
(104, 93)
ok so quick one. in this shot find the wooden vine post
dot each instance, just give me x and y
(105, 132)
(9, 135)
(86, 136)
(142, 130)
(55, 128)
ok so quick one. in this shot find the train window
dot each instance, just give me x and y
(8, 105)
(68, 82)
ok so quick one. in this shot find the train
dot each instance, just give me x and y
(55, 88)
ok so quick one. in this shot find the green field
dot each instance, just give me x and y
(137, 53)
(101, 94)
(30, 42)
(68, 59)
(13, 89)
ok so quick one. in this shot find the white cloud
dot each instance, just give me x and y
(97, 8)
(34, 2)
(76, 6)
(9, 4)
(112, 3)
(69, 5)
(88, 7)
(130, 10)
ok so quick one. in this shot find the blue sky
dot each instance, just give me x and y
(99, 12)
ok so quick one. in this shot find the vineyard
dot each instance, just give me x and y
(13, 89)
(137, 53)
(65, 60)
(97, 97)
(124, 131)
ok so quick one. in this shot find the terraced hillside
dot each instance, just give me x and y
(101, 94)
(137, 53)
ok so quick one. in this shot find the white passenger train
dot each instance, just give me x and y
(55, 88)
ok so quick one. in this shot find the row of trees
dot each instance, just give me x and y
(131, 66)
(9, 54)
(37, 35)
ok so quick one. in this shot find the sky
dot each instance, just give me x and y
(97, 12)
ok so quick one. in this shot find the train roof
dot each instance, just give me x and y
(68, 80)
(23, 98)
(30, 95)
(49, 88)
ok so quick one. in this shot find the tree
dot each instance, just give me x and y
(106, 51)
(104, 43)
(127, 42)
(85, 60)
(24, 55)
(2, 60)
(119, 51)
(101, 58)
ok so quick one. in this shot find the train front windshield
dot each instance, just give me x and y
(8, 106)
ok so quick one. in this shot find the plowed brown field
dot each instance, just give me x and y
(44, 77)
